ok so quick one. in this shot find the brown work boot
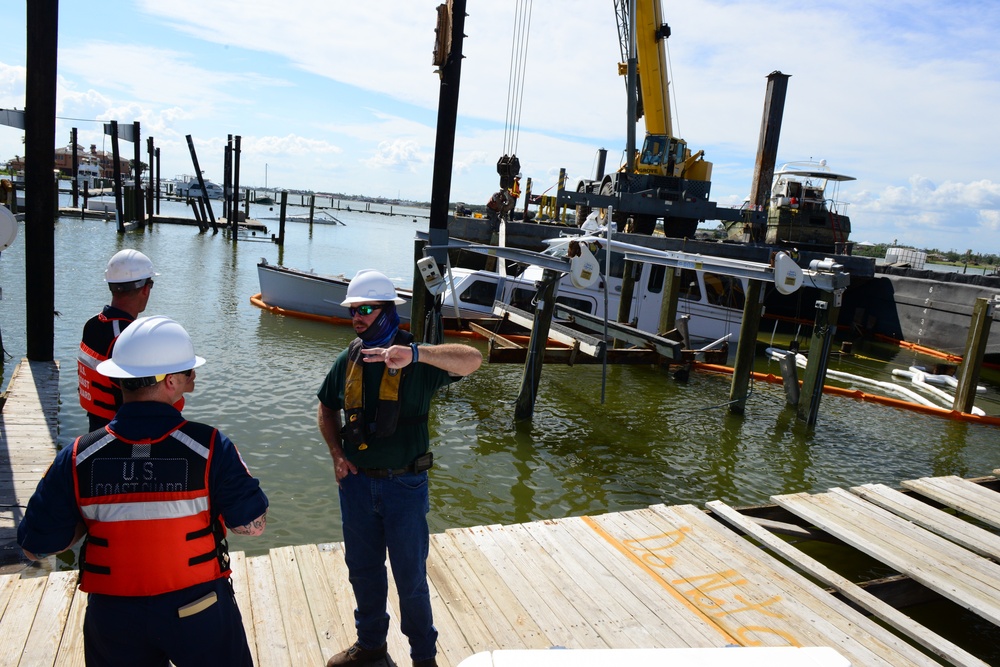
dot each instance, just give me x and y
(357, 655)
(429, 662)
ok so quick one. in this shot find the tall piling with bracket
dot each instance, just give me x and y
(524, 407)
(827, 313)
(746, 347)
(448, 59)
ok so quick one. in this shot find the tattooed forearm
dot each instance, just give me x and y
(255, 527)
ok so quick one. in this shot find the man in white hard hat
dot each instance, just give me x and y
(129, 276)
(151, 496)
(383, 382)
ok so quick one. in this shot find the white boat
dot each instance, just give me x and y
(192, 188)
(88, 175)
(713, 301)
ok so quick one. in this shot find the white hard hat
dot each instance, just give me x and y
(151, 346)
(370, 285)
(129, 266)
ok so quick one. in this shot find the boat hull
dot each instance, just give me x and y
(312, 294)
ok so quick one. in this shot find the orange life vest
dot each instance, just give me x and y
(150, 527)
(98, 395)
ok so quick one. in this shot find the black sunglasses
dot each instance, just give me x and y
(364, 309)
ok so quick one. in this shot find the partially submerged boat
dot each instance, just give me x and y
(713, 302)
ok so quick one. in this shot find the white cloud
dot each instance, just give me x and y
(336, 96)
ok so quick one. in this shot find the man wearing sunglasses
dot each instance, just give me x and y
(383, 382)
(129, 275)
(152, 496)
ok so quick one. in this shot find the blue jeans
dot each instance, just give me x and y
(389, 514)
(121, 631)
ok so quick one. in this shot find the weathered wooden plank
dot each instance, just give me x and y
(49, 623)
(326, 621)
(625, 569)
(792, 605)
(561, 624)
(269, 628)
(946, 525)
(874, 536)
(552, 565)
(971, 499)
(469, 600)
(241, 589)
(978, 574)
(71, 647)
(610, 609)
(461, 630)
(505, 601)
(15, 624)
(303, 646)
(7, 584)
(332, 558)
(930, 640)
(749, 601)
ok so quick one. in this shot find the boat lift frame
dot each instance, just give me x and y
(825, 275)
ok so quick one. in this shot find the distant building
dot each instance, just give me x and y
(64, 161)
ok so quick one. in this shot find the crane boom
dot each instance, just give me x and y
(664, 179)
(654, 85)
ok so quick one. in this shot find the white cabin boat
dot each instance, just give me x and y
(192, 189)
(713, 301)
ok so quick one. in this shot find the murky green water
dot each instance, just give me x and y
(653, 440)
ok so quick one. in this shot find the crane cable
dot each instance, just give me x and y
(515, 82)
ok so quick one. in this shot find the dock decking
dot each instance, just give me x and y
(657, 577)
(28, 427)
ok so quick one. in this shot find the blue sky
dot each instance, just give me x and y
(339, 96)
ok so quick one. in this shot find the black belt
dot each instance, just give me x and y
(420, 464)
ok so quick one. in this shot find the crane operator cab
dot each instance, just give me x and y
(660, 154)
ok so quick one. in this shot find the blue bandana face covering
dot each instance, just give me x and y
(383, 329)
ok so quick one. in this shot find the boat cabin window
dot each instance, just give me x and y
(723, 290)
(480, 292)
(657, 272)
(584, 305)
(690, 288)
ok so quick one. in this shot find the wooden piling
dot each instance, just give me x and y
(628, 289)
(972, 359)
(827, 313)
(746, 347)
(137, 203)
(234, 205)
(151, 151)
(42, 20)
(524, 408)
(117, 168)
(668, 304)
(281, 218)
(75, 188)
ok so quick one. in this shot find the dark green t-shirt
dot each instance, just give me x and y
(398, 450)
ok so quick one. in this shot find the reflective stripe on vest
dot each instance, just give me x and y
(147, 511)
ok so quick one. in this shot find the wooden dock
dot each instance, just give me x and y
(657, 577)
(28, 428)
